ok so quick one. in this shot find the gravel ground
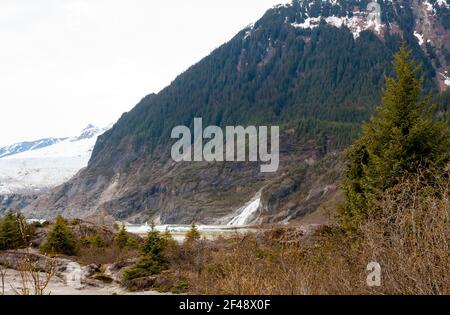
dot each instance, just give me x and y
(58, 286)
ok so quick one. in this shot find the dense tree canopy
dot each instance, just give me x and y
(403, 138)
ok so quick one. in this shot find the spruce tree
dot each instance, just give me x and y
(121, 239)
(13, 230)
(153, 259)
(403, 138)
(169, 239)
(154, 246)
(193, 234)
(60, 239)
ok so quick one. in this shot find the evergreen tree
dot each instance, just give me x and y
(60, 239)
(401, 140)
(193, 234)
(13, 231)
(169, 239)
(98, 242)
(154, 245)
(121, 239)
(153, 260)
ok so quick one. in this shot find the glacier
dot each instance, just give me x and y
(36, 170)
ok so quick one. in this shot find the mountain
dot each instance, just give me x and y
(28, 146)
(315, 68)
(31, 167)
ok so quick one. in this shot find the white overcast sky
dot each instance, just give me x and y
(67, 63)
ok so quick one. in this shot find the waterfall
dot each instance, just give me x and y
(246, 213)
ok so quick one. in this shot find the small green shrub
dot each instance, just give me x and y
(181, 286)
(75, 222)
(97, 241)
(146, 266)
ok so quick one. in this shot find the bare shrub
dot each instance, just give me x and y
(407, 236)
(33, 277)
(35, 281)
(2, 279)
(102, 256)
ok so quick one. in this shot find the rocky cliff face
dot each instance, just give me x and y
(15, 201)
(313, 67)
(210, 193)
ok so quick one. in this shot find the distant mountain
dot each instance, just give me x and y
(89, 132)
(314, 67)
(33, 166)
(28, 146)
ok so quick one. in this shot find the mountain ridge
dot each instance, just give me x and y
(27, 146)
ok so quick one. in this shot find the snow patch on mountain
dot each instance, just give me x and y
(446, 78)
(309, 23)
(356, 23)
(429, 6)
(249, 30)
(39, 169)
(443, 3)
(285, 4)
(419, 37)
(433, 6)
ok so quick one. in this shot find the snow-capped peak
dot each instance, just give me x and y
(68, 146)
(89, 132)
